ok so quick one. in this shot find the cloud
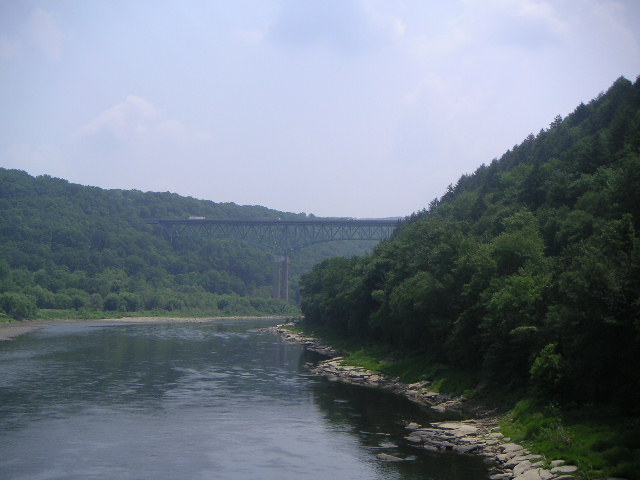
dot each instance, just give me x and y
(129, 121)
(44, 34)
(137, 122)
(136, 136)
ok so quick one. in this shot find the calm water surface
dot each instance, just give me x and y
(214, 400)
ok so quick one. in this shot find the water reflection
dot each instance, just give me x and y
(214, 401)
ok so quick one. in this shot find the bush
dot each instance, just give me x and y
(546, 373)
(18, 305)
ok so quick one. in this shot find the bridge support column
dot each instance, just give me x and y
(284, 292)
(281, 276)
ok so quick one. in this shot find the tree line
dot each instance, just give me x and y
(65, 246)
(526, 272)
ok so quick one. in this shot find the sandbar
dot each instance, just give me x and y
(11, 330)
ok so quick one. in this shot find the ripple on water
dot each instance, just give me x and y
(197, 401)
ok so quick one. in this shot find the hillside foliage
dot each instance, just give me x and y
(526, 272)
(65, 246)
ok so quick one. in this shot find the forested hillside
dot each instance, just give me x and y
(66, 246)
(525, 273)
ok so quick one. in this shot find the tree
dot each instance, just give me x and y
(18, 305)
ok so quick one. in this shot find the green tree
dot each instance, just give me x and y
(18, 305)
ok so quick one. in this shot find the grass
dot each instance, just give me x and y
(601, 444)
(409, 367)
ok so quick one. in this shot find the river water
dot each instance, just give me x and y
(180, 401)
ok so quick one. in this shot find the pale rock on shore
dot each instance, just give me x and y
(480, 436)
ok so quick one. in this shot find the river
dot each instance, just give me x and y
(214, 400)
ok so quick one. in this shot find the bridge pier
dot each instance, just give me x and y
(279, 235)
(281, 276)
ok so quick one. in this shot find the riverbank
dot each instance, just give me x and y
(11, 330)
(479, 435)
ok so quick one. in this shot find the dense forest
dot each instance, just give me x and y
(65, 246)
(525, 273)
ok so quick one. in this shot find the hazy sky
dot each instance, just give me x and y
(360, 108)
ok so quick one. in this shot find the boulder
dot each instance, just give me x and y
(385, 457)
(521, 467)
(535, 474)
(565, 469)
(512, 448)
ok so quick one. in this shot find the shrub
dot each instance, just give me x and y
(18, 305)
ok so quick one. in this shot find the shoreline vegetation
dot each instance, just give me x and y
(518, 287)
(497, 435)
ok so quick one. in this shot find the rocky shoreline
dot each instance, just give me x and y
(480, 436)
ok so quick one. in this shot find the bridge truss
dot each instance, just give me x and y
(280, 236)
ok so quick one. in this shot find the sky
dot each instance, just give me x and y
(347, 108)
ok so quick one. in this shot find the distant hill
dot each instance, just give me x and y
(67, 246)
(525, 273)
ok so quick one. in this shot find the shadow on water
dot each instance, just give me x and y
(378, 419)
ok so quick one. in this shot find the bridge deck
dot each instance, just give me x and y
(281, 236)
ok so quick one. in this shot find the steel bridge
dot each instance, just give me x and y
(281, 236)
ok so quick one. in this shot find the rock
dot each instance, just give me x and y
(480, 437)
(565, 477)
(388, 445)
(418, 385)
(385, 457)
(521, 467)
(511, 448)
(466, 448)
(513, 461)
(565, 469)
(445, 425)
(501, 476)
(557, 463)
(535, 474)
(521, 458)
